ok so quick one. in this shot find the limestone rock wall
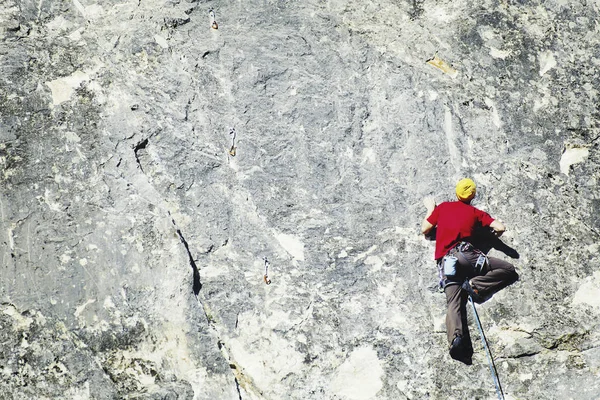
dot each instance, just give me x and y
(135, 222)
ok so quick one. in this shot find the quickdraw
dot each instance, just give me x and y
(266, 275)
(233, 135)
(213, 23)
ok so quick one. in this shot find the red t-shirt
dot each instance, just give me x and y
(456, 221)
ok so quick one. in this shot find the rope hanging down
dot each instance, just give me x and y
(488, 352)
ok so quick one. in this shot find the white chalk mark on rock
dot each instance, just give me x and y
(162, 42)
(292, 244)
(572, 155)
(108, 303)
(547, 62)
(63, 88)
(359, 377)
(76, 34)
(455, 157)
(497, 53)
(19, 320)
(588, 291)
(368, 156)
(360, 256)
(82, 307)
(375, 262)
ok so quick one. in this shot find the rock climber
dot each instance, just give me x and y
(463, 269)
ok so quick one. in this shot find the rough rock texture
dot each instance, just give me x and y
(121, 196)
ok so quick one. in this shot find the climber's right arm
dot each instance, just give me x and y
(498, 227)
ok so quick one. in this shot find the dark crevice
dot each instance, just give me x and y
(526, 354)
(140, 146)
(196, 285)
(237, 387)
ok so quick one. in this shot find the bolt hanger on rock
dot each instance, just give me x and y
(266, 276)
(213, 23)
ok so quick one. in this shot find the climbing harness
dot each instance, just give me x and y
(213, 23)
(266, 276)
(493, 370)
(233, 134)
(447, 265)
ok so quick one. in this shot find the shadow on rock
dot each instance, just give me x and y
(485, 240)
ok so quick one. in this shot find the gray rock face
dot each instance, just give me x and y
(123, 191)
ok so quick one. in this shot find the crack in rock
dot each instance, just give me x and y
(197, 285)
(242, 381)
(237, 387)
(522, 355)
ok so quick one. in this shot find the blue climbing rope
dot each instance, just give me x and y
(488, 352)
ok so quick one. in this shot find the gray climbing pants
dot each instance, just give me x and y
(495, 276)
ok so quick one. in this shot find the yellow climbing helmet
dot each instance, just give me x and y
(465, 189)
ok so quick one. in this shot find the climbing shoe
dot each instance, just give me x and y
(459, 352)
(474, 293)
